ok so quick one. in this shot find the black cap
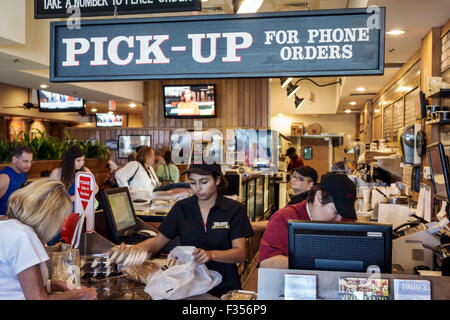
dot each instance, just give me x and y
(343, 191)
(204, 169)
(307, 171)
(291, 149)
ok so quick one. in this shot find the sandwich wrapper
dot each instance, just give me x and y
(181, 277)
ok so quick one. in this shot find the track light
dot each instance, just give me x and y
(291, 89)
(285, 81)
(246, 6)
(298, 102)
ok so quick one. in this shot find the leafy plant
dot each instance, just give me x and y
(48, 147)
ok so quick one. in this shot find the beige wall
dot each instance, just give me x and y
(12, 13)
(135, 120)
(330, 123)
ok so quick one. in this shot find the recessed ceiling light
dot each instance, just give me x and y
(361, 89)
(396, 32)
(44, 86)
(348, 111)
(352, 103)
(132, 105)
(377, 110)
(94, 110)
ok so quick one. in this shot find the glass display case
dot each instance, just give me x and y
(266, 193)
(259, 204)
(251, 184)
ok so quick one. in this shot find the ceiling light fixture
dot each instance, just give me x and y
(298, 102)
(246, 6)
(377, 110)
(285, 82)
(361, 89)
(94, 110)
(396, 32)
(291, 89)
(352, 103)
(348, 111)
(132, 105)
(280, 115)
(44, 86)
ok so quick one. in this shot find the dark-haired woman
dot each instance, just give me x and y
(72, 162)
(217, 226)
(168, 171)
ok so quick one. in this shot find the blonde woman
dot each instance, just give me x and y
(35, 214)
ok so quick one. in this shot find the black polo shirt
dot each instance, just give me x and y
(227, 220)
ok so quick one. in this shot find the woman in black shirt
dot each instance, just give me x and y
(217, 226)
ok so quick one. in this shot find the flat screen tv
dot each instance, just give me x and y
(189, 101)
(55, 102)
(108, 120)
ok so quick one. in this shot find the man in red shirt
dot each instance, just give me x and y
(332, 200)
(296, 161)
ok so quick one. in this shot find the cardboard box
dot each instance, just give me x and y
(314, 129)
(297, 129)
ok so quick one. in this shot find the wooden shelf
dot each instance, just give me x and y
(440, 94)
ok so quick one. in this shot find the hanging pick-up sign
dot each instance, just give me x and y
(306, 43)
(47, 9)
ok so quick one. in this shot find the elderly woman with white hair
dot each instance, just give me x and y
(35, 214)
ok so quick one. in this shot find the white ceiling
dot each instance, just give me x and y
(416, 17)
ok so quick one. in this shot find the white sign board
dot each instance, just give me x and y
(85, 198)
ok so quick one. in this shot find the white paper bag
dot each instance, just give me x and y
(183, 278)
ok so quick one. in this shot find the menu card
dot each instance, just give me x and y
(363, 288)
(412, 289)
(300, 287)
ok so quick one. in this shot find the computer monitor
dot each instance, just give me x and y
(439, 171)
(119, 212)
(339, 246)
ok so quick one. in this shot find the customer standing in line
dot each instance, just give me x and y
(139, 176)
(14, 176)
(35, 214)
(72, 162)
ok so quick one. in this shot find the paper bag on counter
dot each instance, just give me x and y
(395, 214)
(182, 278)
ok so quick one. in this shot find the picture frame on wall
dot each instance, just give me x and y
(129, 143)
(111, 144)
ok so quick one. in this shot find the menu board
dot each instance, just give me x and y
(398, 117)
(387, 124)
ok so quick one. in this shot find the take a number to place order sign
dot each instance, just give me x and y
(305, 43)
(46, 9)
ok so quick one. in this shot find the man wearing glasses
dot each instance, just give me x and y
(14, 176)
(332, 200)
(302, 180)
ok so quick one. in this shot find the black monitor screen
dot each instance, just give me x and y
(119, 211)
(439, 170)
(338, 246)
(189, 101)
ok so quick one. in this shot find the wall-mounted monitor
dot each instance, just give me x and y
(189, 101)
(128, 144)
(55, 102)
(108, 120)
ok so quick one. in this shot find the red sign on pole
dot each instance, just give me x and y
(84, 198)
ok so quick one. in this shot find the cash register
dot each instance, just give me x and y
(122, 224)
